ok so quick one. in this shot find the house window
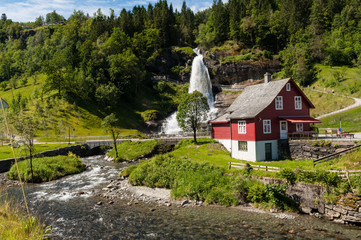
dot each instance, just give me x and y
(266, 126)
(242, 146)
(242, 127)
(279, 103)
(299, 127)
(298, 102)
(288, 87)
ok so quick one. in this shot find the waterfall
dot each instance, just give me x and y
(199, 81)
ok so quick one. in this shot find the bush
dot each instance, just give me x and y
(320, 176)
(356, 184)
(150, 115)
(257, 193)
(289, 175)
(47, 169)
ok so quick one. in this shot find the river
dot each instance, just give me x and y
(69, 206)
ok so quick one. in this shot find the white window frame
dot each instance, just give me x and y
(279, 103)
(267, 126)
(298, 102)
(242, 127)
(243, 146)
(288, 87)
(299, 127)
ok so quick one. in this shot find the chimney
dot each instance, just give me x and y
(267, 77)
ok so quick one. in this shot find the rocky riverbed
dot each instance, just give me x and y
(120, 188)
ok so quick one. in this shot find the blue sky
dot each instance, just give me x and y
(28, 10)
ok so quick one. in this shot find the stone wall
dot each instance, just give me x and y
(302, 150)
(310, 199)
(79, 150)
(347, 210)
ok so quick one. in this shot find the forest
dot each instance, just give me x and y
(106, 60)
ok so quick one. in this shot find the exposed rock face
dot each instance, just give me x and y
(231, 73)
(310, 199)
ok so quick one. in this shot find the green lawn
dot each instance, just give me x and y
(6, 152)
(208, 151)
(350, 120)
(205, 151)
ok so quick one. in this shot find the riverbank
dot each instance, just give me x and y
(69, 206)
(120, 188)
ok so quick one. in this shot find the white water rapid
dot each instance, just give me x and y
(199, 81)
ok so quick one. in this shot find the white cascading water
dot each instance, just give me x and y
(199, 81)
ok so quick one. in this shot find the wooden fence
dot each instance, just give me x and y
(255, 167)
(341, 173)
(334, 155)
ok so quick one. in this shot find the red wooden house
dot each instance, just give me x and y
(262, 115)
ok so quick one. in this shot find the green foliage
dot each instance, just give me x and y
(356, 184)
(129, 150)
(319, 176)
(204, 181)
(237, 58)
(150, 115)
(47, 169)
(289, 175)
(127, 171)
(186, 50)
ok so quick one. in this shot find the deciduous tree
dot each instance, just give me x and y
(192, 110)
(109, 124)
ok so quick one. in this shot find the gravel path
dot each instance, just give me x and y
(355, 105)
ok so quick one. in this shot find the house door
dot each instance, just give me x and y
(268, 151)
(283, 130)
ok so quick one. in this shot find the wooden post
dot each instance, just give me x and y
(229, 165)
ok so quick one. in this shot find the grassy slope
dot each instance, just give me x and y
(350, 86)
(130, 150)
(325, 103)
(352, 79)
(5, 151)
(86, 118)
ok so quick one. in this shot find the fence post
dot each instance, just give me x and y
(266, 169)
(229, 165)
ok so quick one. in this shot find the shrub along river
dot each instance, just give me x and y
(69, 206)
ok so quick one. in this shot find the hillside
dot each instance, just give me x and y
(90, 66)
(83, 119)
